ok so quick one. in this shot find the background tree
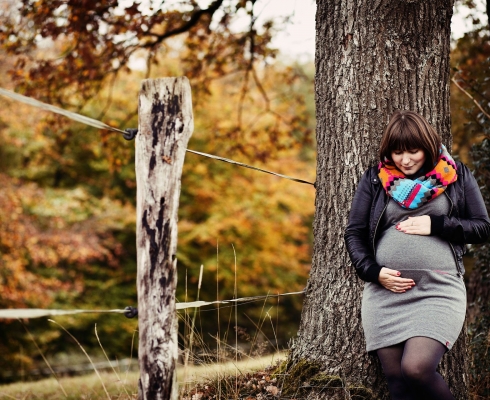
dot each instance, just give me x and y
(68, 192)
(469, 103)
(478, 287)
(371, 59)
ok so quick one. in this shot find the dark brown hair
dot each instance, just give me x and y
(408, 130)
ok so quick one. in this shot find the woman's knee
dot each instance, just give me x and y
(417, 371)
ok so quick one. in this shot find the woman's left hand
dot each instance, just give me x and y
(415, 225)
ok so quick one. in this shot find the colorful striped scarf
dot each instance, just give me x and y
(413, 193)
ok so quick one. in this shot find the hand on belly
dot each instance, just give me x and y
(415, 225)
(391, 279)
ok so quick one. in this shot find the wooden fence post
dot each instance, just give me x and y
(165, 126)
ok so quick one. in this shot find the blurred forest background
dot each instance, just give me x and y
(67, 191)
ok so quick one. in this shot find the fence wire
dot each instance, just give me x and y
(100, 125)
(57, 110)
(29, 313)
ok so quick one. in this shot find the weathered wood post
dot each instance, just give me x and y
(165, 126)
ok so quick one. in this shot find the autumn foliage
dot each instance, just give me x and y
(471, 116)
(67, 191)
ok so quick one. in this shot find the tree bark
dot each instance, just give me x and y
(165, 126)
(372, 58)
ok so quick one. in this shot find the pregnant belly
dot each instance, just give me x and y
(398, 250)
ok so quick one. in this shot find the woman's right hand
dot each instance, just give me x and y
(390, 279)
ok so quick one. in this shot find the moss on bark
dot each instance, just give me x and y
(305, 379)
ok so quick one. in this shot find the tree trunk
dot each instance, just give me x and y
(165, 126)
(372, 58)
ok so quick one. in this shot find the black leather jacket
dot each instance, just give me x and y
(467, 221)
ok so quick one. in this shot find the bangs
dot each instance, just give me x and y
(407, 138)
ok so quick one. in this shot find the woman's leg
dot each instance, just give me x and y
(421, 356)
(391, 360)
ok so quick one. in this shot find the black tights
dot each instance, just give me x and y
(410, 369)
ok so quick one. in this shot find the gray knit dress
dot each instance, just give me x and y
(435, 307)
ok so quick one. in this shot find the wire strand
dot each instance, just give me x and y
(100, 125)
(57, 110)
(248, 166)
(28, 313)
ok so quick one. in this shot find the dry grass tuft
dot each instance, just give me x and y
(89, 387)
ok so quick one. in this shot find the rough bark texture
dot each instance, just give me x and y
(165, 126)
(372, 58)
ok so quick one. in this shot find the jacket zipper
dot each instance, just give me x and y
(450, 244)
(376, 227)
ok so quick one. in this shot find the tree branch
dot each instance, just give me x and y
(471, 97)
(195, 18)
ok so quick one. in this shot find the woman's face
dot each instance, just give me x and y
(408, 161)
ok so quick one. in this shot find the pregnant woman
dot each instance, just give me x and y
(410, 218)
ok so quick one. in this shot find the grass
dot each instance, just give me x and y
(211, 375)
(82, 387)
(89, 387)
